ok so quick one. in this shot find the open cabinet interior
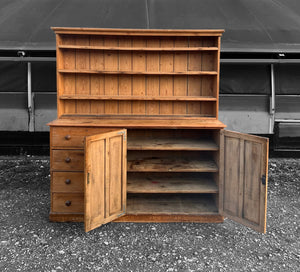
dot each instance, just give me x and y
(138, 138)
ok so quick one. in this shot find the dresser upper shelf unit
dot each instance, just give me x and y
(106, 72)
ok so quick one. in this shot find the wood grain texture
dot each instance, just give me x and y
(94, 183)
(158, 204)
(59, 76)
(139, 82)
(125, 82)
(147, 143)
(105, 178)
(126, 47)
(164, 218)
(199, 123)
(66, 217)
(67, 182)
(97, 81)
(68, 87)
(138, 32)
(136, 184)
(170, 165)
(166, 82)
(180, 83)
(67, 202)
(111, 82)
(73, 137)
(82, 81)
(152, 81)
(243, 196)
(67, 160)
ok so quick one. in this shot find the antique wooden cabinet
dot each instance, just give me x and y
(138, 138)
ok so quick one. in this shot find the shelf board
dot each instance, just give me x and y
(207, 48)
(147, 143)
(170, 165)
(170, 185)
(83, 71)
(132, 97)
(191, 204)
(138, 122)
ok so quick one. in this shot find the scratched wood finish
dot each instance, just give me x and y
(105, 178)
(244, 161)
(93, 66)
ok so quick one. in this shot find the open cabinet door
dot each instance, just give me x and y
(243, 178)
(105, 178)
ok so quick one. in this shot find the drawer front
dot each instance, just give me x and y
(67, 182)
(73, 136)
(68, 160)
(67, 203)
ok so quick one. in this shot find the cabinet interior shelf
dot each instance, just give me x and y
(190, 204)
(129, 97)
(84, 71)
(161, 164)
(148, 143)
(170, 185)
(204, 48)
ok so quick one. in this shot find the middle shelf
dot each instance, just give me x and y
(159, 164)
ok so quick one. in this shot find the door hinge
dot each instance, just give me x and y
(263, 179)
(122, 133)
(88, 177)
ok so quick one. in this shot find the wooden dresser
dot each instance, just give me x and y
(138, 138)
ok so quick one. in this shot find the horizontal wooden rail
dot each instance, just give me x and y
(82, 71)
(207, 48)
(125, 97)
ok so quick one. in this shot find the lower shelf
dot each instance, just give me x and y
(171, 204)
(159, 208)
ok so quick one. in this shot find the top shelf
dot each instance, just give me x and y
(84, 47)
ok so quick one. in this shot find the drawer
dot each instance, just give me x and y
(68, 160)
(67, 182)
(67, 203)
(73, 136)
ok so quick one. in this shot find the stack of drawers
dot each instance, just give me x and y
(67, 171)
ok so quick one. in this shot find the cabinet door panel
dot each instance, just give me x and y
(243, 178)
(105, 178)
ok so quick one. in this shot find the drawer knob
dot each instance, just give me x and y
(67, 181)
(68, 203)
(68, 137)
(68, 159)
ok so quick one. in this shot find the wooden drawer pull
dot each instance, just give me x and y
(67, 181)
(68, 137)
(68, 159)
(68, 203)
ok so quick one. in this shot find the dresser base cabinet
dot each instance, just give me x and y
(157, 175)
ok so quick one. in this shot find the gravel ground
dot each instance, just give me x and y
(29, 242)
